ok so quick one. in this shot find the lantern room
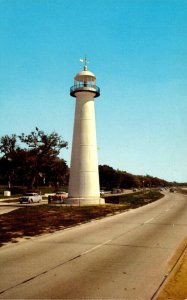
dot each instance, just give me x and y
(85, 81)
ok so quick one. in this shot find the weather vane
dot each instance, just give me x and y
(85, 61)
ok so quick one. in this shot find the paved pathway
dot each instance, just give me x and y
(126, 256)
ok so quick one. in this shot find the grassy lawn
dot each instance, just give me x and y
(35, 220)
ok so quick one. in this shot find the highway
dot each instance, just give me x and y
(126, 256)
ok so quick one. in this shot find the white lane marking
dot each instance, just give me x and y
(148, 221)
(96, 247)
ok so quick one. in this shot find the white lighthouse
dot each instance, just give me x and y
(84, 186)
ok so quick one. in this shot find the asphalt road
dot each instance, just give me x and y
(126, 256)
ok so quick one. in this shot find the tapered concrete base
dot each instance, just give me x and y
(83, 201)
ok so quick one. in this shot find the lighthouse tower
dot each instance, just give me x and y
(84, 186)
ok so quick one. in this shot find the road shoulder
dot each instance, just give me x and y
(175, 286)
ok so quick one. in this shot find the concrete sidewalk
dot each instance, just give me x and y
(8, 198)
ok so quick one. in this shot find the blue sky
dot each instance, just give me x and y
(136, 49)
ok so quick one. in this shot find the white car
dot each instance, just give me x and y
(30, 198)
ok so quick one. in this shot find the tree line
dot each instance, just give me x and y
(32, 160)
(111, 178)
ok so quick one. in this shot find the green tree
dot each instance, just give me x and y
(8, 145)
(109, 177)
(129, 181)
(8, 149)
(29, 164)
(57, 173)
(44, 149)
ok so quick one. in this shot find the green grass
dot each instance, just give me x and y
(136, 199)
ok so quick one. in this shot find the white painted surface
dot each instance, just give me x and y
(84, 176)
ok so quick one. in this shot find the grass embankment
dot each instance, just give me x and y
(136, 199)
(175, 286)
(35, 220)
(182, 191)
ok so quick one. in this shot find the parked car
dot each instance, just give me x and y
(30, 198)
(58, 197)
